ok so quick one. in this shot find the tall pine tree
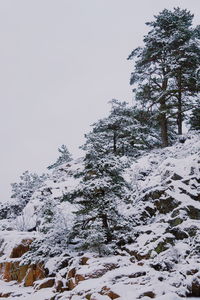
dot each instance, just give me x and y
(165, 72)
(101, 190)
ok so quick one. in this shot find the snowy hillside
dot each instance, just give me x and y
(157, 257)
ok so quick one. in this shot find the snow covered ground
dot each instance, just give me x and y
(161, 260)
(22, 293)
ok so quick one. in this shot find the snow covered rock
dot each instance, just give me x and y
(13, 246)
(157, 258)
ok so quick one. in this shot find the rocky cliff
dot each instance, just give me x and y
(158, 259)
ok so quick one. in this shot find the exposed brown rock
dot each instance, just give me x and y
(49, 282)
(71, 284)
(5, 295)
(29, 279)
(71, 273)
(35, 272)
(84, 260)
(106, 291)
(112, 295)
(78, 278)
(149, 294)
(22, 272)
(19, 250)
(59, 286)
(11, 271)
(195, 288)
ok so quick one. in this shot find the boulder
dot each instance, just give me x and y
(5, 295)
(108, 292)
(149, 294)
(84, 260)
(166, 205)
(176, 177)
(60, 286)
(178, 233)
(47, 283)
(164, 245)
(20, 249)
(13, 271)
(78, 278)
(194, 289)
(71, 284)
(175, 222)
(35, 272)
(71, 273)
(193, 212)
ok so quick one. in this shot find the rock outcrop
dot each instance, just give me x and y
(157, 258)
(11, 267)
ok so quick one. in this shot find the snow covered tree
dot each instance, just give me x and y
(64, 157)
(114, 130)
(53, 232)
(100, 191)
(22, 191)
(4, 211)
(194, 120)
(125, 131)
(53, 226)
(166, 68)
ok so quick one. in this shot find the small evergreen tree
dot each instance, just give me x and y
(101, 189)
(64, 157)
(53, 225)
(23, 191)
(194, 120)
(125, 131)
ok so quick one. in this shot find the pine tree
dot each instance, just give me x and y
(23, 191)
(165, 73)
(64, 157)
(125, 131)
(194, 120)
(101, 189)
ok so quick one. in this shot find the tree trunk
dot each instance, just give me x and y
(179, 106)
(179, 117)
(105, 225)
(164, 130)
(163, 116)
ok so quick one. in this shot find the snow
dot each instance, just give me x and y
(11, 239)
(124, 274)
(24, 293)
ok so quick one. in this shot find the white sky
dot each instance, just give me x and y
(61, 61)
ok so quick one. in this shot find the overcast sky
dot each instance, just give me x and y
(61, 61)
